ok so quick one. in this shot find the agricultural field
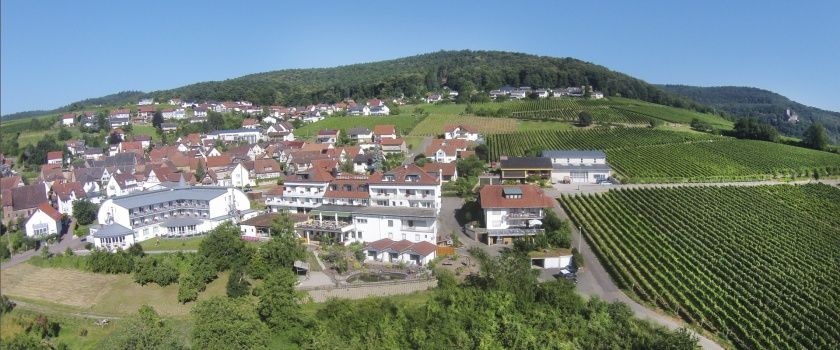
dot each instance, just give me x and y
(434, 124)
(757, 266)
(670, 114)
(641, 155)
(403, 123)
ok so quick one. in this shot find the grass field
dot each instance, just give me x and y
(758, 266)
(71, 326)
(403, 123)
(171, 244)
(145, 130)
(96, 293)
(670, 114)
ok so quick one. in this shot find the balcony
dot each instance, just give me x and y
(524, 215)
(417, 229)
(325, 225)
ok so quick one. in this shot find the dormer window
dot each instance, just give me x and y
(388, 178)
(412, 178)
(512, 192)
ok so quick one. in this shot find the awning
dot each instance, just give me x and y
(534, 223)
(181, 222)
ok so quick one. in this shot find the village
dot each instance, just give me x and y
(357, 186)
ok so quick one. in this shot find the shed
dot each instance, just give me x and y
(557, 258)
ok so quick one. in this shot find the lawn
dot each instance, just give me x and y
(96, 293)
(171, 243)
(404, 124)
(145, 130)
(71, 326)
(31, 137)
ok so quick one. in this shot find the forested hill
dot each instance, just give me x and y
(766, 105)
(412, 76)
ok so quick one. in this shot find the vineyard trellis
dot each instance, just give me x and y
(755, 265)
(642, 155)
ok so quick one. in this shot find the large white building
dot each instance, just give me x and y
(512, 211)
(401, 204)
(250, 136)
(578, 166)
(44, 221)
(176, 212)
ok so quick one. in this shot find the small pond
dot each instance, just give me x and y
(375, 277)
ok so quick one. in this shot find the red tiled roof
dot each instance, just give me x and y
(467, 128)
(218, 161)
(401, 173)
(532, 197)
(9, 182)
(448, 169)
(402, 246)
(63, 190)
(266, 166)
(50, 211)
(386, 129)
(392, 142)
(55, 155)
(69, 116)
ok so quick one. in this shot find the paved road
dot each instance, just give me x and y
(593, 279)
(67, 241)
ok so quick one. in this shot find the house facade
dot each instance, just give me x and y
(578, 166)
(45, 221)
(512, 211)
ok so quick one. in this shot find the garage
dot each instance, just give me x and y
(579, 176)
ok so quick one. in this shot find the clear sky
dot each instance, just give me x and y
(56, 52)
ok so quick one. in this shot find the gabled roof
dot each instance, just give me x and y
(403, 175)
(218, 161)
(574, 154)
(55, 155)
(448, 169)
(327, 132)
(9, 182)
(402, 246)
(385, 129)
(27, 197)
(358, 131)
(466, 128)
(266, 166)
(392, 142)
(50, 211)
(63, 191)
(526, 163)
(493, 196)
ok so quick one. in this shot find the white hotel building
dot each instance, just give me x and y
(176, 212)
(399, 204)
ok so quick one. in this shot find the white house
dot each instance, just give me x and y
(44, 221)
(512, 211)
(352, 223)
(66, 194)
(578, 166)
(380, 110)
(462, 132)
(181, 211)
(68, 119)
(388, 250)
(358, 110)
(328, 136)
(240, 176)
(121, 184)
(360, 135)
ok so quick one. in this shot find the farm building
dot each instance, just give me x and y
(578, 166)
(517, 168)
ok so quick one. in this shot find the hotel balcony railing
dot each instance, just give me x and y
(415, 196)
(325, 225)
(164, 208)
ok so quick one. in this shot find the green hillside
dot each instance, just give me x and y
(409, 76)
(768, 106)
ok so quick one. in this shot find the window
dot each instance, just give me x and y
(390, 223)
(361, 221)
(417, 237)
(410, 223)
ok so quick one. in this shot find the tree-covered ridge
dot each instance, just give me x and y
(767, 106)
(410, 76)
(459, 70)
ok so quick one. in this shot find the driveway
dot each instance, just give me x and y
(448, 224)
(67, 241)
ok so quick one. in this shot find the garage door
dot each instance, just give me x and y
(579, 176)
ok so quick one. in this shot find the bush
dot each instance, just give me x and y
(6, 305)
(237, 285)
(42, 327)
(155, 270)
(105, 262)
(85, 212)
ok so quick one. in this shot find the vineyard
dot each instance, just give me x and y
(640, 155)
(758, 266)
(669, 114)
(433, 125)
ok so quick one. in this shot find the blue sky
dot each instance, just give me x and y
(55, 52)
